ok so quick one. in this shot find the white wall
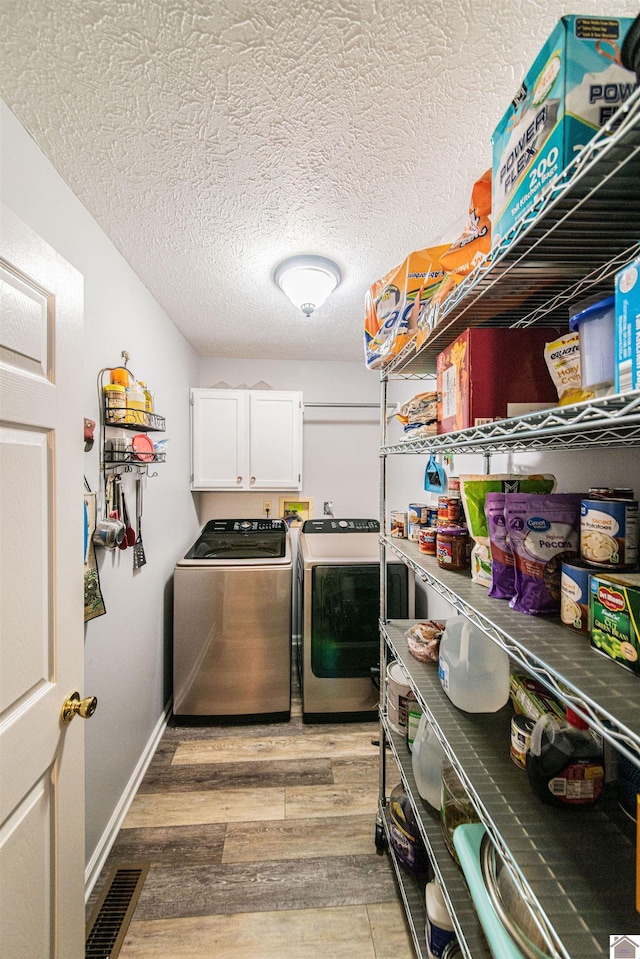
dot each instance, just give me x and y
(127, 650)
(340, 446)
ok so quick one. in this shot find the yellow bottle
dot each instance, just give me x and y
(135, 404)
(148, 396)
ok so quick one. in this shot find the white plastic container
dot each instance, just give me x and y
(473, 670)
(438, 928)
(596, 324)
(398, 695)
(426, 759)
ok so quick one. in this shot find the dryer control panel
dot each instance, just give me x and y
(341, 526)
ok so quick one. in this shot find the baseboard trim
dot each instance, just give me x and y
(99, 857)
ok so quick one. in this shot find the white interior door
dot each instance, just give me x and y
(41, 599)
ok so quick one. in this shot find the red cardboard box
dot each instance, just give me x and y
(487, 368)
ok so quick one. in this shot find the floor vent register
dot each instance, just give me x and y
(113, 911)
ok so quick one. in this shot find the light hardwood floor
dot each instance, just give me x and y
(261, 845)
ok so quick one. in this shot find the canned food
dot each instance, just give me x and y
(609, 533)
(443, 507)
(413, 532)
(398, 524)
(521, 727)
(602, 492)
(454, 509)
(427, 540)
(451, 547)
(432, 515)
(574, 596)
(453, 484)
(417, 513)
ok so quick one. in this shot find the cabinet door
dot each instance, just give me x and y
(219, 446)
(275, 440)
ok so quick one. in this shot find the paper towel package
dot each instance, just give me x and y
(574, 87)
(627, 350)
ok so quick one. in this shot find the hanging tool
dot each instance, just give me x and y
(139, 559)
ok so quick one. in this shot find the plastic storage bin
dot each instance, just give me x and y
(473, 670)
(596, 324)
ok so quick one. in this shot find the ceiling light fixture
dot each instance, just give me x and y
(307, 280)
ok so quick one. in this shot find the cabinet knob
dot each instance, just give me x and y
(238, 479)
(253, 479)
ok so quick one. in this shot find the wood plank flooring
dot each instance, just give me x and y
(261, 845)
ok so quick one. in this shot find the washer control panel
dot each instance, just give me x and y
(245, 526)
(341, 526)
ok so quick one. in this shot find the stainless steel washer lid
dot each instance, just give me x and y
(339, 542)
(239, 542)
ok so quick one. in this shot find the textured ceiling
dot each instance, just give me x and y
(212, 138)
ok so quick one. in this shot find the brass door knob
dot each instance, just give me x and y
(73, 706)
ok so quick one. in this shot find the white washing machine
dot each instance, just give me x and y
(232, 624)
(338, 609)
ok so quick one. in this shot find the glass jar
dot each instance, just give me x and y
(451, 547)
(115, 403)
(455, 807)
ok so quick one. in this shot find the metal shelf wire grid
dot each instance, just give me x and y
(610, 421)
(454, 888)
(594, 685)
(583, 228)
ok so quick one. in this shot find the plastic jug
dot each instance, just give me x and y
(439, 930)
(564, 762)
(473, 670)
(427, 756)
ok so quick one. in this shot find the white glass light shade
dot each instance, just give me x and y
(307, 280)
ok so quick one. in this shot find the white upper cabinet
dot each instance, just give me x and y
(246, 440)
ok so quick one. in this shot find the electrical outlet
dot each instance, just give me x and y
(266, 507)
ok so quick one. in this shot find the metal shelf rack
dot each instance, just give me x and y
(584, 228)
(576, 869)
(611, 421)
(553, 852)
(455, 890)
(594, 685)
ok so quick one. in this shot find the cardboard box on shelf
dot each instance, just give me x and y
(574, 86)
(627, 349)
(488, 368)
(614, 616)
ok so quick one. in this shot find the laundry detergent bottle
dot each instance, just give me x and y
(473, 670)
(565, 762)
(427, 756)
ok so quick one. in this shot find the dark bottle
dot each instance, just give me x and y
(565, 763)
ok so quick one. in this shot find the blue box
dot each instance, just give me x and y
(575, 85)
(627, 349)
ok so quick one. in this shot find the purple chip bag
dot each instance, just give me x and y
(543, 530)
(502, 574)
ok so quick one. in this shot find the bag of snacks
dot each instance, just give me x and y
(473, 490)
(502, 575)
(562, 357)
(543, 531)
